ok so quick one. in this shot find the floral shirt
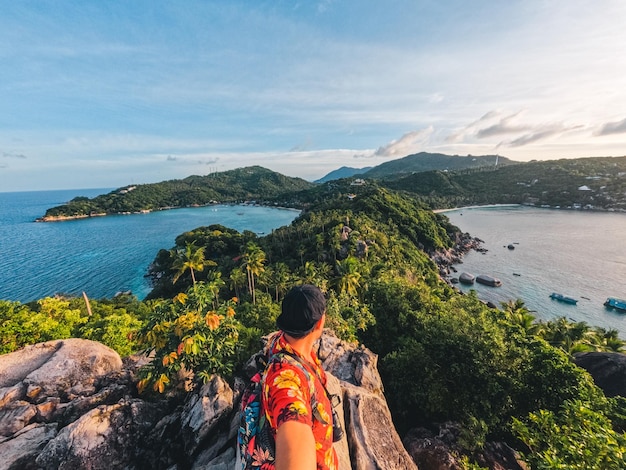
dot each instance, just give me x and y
(287, 395)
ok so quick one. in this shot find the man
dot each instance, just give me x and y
(296, 404)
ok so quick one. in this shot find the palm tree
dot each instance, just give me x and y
(192, 259)
(254, 258)
(237, 280)
(214, 284)
(518, 314)
(348, 277)
(282, 279)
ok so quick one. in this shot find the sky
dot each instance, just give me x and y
(102, 94)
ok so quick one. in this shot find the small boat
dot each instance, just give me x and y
(617, 304)
(563, 298)
(466, 278)
(488, 280)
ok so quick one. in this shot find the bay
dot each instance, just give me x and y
(575, 253)
(100, 255)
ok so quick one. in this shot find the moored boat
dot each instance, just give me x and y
(617, 304)
(466, 278)
(488, 280)
(563, 298)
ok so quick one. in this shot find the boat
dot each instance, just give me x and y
(563, 298)
(488, 280)
(466, 278)
(617, 304)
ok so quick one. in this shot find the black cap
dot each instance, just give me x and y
(302, 308)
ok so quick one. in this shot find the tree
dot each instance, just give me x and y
(253, 258)
(518, 314)
(348, 276)
(574, 437)
(237, 280)
(282, 279)
(192, 259)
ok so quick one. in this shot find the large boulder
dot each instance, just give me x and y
(20, 451)
(109, 436)
(607, 369)
(441, 451)
(65, 369)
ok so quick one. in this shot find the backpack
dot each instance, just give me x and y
(255, 441)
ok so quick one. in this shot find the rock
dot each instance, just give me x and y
(204, 411)
(63, 368)
(356, 365)
(607, 369)
(19, 452)
(226, 461)
(106, 437)
(333, 385)
(373, 440)
(499, 456)
(72, 404)
(441, 451)
(15, 416)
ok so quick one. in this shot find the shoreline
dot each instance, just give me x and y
(486, 206)
(64, 218)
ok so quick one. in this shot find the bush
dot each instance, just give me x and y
(188, 334)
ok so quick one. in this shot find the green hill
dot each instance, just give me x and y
(424, 161)
(592, 183)
(243, 184)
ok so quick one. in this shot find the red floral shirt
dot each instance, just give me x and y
(287, 397)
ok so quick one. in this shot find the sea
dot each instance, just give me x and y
(100, 256)
(581, 254)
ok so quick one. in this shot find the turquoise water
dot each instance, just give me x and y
(103, 255)
(579, 254)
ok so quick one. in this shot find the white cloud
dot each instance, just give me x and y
(613, 128)
(540, 133)
(410, 142)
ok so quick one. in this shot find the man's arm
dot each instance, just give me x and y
(295, 447)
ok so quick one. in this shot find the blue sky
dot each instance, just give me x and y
(108, 93)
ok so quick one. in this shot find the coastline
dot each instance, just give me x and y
(440, 211)
(63, 218)
(556, 208)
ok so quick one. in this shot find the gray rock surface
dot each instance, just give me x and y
(73, 404)
(607, 369)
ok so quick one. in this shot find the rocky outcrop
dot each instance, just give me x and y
(441, 451)
(462, 244)
(72, 404)
(607, 369)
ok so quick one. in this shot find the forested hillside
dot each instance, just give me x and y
(592, 183)
(243, 184)
(425, 161)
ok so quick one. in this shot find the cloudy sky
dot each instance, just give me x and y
(100, 94)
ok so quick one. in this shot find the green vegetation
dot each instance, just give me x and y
(425, 161)
(112, 322)
(243, 184)
(443, 356)
(553, 183)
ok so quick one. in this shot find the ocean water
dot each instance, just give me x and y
(102, 255)
(579, 254)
